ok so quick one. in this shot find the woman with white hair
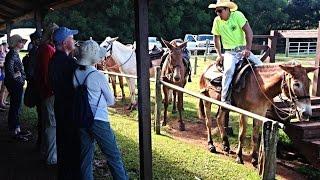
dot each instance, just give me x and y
(14, 81)
(100, 97)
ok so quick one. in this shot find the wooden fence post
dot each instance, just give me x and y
(157, 107)
(272, 43)
(195, 65)
(206, 51)
(268, 150)
(316, 81)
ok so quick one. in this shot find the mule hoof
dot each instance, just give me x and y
(254, 162)
(239, 160)
(182, 127)
(226, 149)
(212, 149)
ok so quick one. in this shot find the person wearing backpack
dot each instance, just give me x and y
(88, 81)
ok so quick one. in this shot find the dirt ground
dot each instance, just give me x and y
(196, 134)
(21, 160)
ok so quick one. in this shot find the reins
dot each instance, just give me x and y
(277, 108)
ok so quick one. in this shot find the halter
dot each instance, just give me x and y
(293, 97)
(109, 48)
(286, 83)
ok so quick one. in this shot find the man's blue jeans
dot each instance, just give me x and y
(103, 134)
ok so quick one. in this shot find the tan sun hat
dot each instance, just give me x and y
(90, 53)
(15, 39)
(224, 3)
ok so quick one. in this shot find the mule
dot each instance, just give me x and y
(173, 71)
(262, 84)
(108, 64)
(125, 57)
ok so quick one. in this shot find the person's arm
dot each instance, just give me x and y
(249, 36)
(217, 46)
(106, 91)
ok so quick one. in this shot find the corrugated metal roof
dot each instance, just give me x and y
(15, 10)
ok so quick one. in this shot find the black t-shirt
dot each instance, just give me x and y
(61, 70)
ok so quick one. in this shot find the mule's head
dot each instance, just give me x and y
(296, 87)
(107, 43)
(175, 57)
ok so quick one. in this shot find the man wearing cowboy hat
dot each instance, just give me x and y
(233, 29)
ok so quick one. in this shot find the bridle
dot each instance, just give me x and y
(285, 83)
(109, 48)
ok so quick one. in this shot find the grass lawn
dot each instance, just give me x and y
(174, 159)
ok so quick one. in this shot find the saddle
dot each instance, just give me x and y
(155, 53)
(214, 75)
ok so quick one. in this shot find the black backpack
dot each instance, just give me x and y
(82, 113)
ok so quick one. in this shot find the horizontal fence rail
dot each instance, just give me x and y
(227, 106)
(269, 139)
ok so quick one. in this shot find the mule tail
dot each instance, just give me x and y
(201, 112)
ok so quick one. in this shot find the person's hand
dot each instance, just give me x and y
(219, 60)
(245, 53)
(17, 74)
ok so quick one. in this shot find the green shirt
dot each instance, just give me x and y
(230, 31)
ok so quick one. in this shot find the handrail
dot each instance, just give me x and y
(124, 75)
(198, 95)
(227, 106)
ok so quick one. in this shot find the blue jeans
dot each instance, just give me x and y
(16, 93)
(229, 66)
(103, 134)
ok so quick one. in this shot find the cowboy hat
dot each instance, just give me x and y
(224, 3)
(90, 53)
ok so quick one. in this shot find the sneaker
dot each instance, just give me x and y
(21, 138)
(24, 133)
(3, 106)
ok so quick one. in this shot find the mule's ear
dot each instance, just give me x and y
(113, 39)
(310, 69)
(287, 68)
(183, 45)
(167, 43)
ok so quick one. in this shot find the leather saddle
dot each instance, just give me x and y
(215, 73)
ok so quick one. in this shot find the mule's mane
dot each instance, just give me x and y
(273, 66)
(122, 46)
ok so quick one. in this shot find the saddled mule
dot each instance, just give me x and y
(174, 72)
(266, 82)
(108, 64)
(125, 57)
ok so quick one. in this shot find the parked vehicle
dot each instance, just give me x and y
(154, 42)
(191, 40)
(203, 38)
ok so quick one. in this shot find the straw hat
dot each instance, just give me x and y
(224, 3)
(90, 53)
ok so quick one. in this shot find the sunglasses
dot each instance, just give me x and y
(219, 10)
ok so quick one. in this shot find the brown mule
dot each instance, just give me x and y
(173, 71)
(273, 79)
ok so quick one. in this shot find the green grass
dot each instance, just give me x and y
(173, 159)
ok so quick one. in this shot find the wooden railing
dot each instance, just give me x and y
(269, 139)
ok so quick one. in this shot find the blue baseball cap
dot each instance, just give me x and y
(62, 33)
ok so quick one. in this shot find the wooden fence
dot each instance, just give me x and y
(269, 139)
